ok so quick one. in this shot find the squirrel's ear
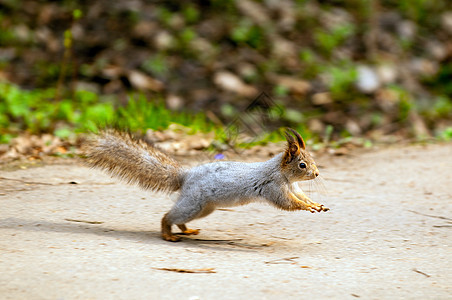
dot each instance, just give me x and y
(300, 141)
(293, 148)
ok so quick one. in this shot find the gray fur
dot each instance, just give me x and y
(226, 184)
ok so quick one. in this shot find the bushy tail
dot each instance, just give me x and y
(134, 161)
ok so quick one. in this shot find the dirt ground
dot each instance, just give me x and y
(68, 232)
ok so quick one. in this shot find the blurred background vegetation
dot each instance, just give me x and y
(379, 70)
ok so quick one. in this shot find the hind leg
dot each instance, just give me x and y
(207, 210)
(167, 235)
(182, 212)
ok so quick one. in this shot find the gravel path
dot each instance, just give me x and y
(67, 232)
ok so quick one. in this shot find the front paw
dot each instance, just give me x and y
(318, 208)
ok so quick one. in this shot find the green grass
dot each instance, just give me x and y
(37, 112)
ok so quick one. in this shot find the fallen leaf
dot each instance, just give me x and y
(282, 260)
(420, 272)
(83, 221)
(204, 270)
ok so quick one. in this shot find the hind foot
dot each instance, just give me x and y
(188, 231)
(170, 237)
(191, 232)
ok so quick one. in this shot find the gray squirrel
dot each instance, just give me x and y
(209, 186)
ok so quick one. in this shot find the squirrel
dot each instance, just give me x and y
(208, 186)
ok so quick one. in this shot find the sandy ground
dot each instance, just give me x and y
(67, 232)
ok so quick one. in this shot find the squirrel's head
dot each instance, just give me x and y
(297, 164)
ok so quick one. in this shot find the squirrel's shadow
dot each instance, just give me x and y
(150, 237)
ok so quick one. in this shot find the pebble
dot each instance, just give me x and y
(368, 80)
(446, 21)
(387, 73)
(231, 82)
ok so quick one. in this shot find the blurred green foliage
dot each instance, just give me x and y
(342, 79)
(36, 111)
(331, 39)
(245, 32)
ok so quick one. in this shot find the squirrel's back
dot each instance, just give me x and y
(135, 161)
(234, 183)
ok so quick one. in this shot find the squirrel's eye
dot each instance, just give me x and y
(303, 165)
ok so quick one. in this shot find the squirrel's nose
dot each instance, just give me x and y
(316, 173)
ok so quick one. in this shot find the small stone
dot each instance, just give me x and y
(424, 67)
(163, 40)
(254, 10)
(368, 81)
(387, 73)
(322, 98)
(204, 49)
(174, 102)
(112, 72)
(142, 81)
(283, 48)
(335, 18)
(231, 82)
(247, 70)
(446, 21)
(144, 29)
(295, 85)
(78, 32)
(407, 30)
(317, 126)
(22, 32)
(286, 11)
(353, 127)
(87, 86)
(436, 50)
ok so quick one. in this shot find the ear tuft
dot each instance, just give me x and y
(300, 140)
(293, 148)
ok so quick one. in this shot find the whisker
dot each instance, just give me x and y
(314, 188)
(306, 187)
(320, 185)
(321, 189)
